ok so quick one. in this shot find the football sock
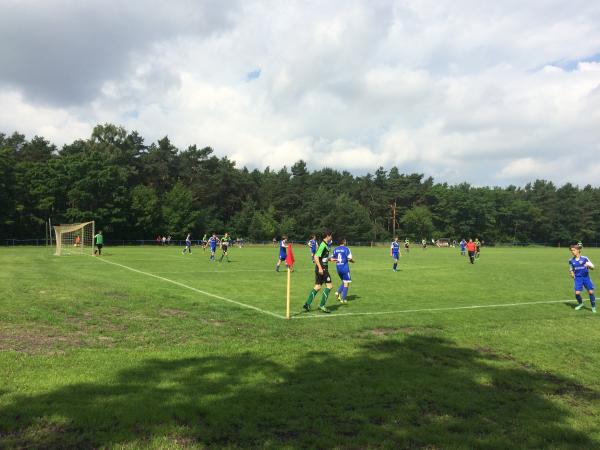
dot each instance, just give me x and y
(324, 297)
(311, 297)
(340, 289)
(593, 300)
(344, 292)
(395, 266)
(579, 299)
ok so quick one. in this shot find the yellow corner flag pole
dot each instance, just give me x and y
(289, 262)
(289, 289)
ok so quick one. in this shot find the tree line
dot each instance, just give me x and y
(136, 191)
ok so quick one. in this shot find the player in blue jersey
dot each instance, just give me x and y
(283, 245)
(188, 244)
(312, 244)
(463, 247)
(395, 253)
(213, 241)
(579, 268)
(342, 256)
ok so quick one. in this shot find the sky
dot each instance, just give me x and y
(488, 93)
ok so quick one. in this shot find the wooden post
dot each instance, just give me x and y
(289, 289)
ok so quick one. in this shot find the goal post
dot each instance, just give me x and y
(74, 238)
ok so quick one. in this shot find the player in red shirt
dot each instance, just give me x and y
(471, 248)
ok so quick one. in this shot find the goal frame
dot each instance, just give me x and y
(65, 239)
(443, 242)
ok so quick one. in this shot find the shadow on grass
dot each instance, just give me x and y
(573, 305)
(414, 392)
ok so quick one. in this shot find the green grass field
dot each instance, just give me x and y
(146, 347)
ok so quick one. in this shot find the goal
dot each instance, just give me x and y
(442, 242)
(74, 238)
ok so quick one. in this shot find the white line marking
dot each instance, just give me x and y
(244, 305)
(455, 308)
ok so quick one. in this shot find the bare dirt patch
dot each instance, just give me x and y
(216, 323)
(382, 331)
(89, 322)
(39, 340)
(117, 295)
(172, 312)
(389, 331)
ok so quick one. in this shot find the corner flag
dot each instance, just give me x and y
(289, 259)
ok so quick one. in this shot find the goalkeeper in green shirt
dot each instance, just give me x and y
(99, 243)
(322, 276)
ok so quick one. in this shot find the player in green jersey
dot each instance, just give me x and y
(99, 243)
(322, 276)
(225, 242)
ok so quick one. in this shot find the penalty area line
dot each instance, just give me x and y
(407, 311)
(208, 294)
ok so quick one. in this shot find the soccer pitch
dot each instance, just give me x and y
(146, 347)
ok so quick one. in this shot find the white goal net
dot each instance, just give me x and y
(442, 242)
(74, 238)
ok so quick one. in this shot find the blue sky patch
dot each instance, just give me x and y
(253, 75)
(570, 65)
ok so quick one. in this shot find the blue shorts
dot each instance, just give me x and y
(345, 277)
(581, 282)
(212, 249)
(282, 256)
(395, 256)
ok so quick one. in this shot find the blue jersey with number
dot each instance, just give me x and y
(313, 246)
(395, 248)
(342, 255)
(578, 267)
(282, 249)
(212, 242)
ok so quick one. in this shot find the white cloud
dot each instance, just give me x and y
(55, 124)
(460, 91)
(529, 168)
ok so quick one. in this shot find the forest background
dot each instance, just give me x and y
(138, 191)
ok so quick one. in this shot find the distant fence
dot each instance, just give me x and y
(197, 242)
